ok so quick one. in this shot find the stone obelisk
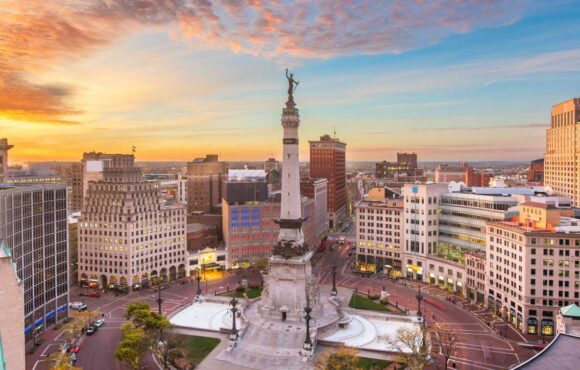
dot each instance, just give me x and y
(290, 281)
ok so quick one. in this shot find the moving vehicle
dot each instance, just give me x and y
(92, 330)
(75, 349)
(79, 306)
(99, 323)
(94, 293)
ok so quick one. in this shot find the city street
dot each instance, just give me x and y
(479, 347)
(98, 351)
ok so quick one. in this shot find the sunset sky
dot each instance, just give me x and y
(450, 80)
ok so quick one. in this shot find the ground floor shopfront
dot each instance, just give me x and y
(528, 320)
(374, 264)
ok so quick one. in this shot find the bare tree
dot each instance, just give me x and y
(448, 342)
(412, 346)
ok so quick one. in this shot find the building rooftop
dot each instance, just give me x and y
(538, 205)
(571, 311)
(239, 175)
(518, 227)
(562, 353)
(196, 227)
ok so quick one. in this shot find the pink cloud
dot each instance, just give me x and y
(36, 33)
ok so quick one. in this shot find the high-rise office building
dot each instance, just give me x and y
(421, 220)
(33, 226)
(128, 235)
(4, 148)
(562, 165)
(536, 171)
(204, 183)
(12, 352)
(327, 160)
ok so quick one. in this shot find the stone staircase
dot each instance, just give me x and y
(268, 348)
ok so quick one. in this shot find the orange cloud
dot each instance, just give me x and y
(34, 34)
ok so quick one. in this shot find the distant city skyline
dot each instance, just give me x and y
(469, 82)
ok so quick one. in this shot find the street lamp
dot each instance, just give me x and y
(419, 297)
(159, 299)
(198, 279)
(333, 292)
(307, 342)
(234, 334)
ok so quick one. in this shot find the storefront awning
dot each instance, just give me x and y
(417, 269)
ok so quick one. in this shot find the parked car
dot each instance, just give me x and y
(99, 323)
(75, 349)
(79, 306)
(94, 293)
(92, 330)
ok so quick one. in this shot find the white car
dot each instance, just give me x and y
(99, 322)
(79, 306)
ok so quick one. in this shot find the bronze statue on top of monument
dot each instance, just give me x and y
(292, 83)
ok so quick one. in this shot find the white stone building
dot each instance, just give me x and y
(379, 231)
(533, 266)
(128, 236)
(421, 221)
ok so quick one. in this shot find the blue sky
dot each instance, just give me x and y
(450, 80)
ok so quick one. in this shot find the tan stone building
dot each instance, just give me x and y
(475, 275)
(204, 183)
(533, 266)
(379, 231)
(562, 165)
(128, 235)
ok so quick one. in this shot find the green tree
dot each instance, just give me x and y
(136, 306)
(342, 359)
(134, 342)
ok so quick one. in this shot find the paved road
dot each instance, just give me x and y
(97, 351)
(479, 347)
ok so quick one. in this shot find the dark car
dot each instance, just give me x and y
(92, 330)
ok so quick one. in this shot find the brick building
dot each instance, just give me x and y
(327, 160)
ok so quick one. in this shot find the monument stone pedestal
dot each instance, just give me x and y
(288, 288)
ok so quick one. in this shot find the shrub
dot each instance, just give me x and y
(374, 297)
(239, 289)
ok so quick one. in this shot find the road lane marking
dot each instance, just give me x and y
(36, 363)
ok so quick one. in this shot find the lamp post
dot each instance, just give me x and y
(159, 299)
(333, 292)
(198, 280)
(423, 323)
(307, 342)
(234, 334)
(419, 297)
